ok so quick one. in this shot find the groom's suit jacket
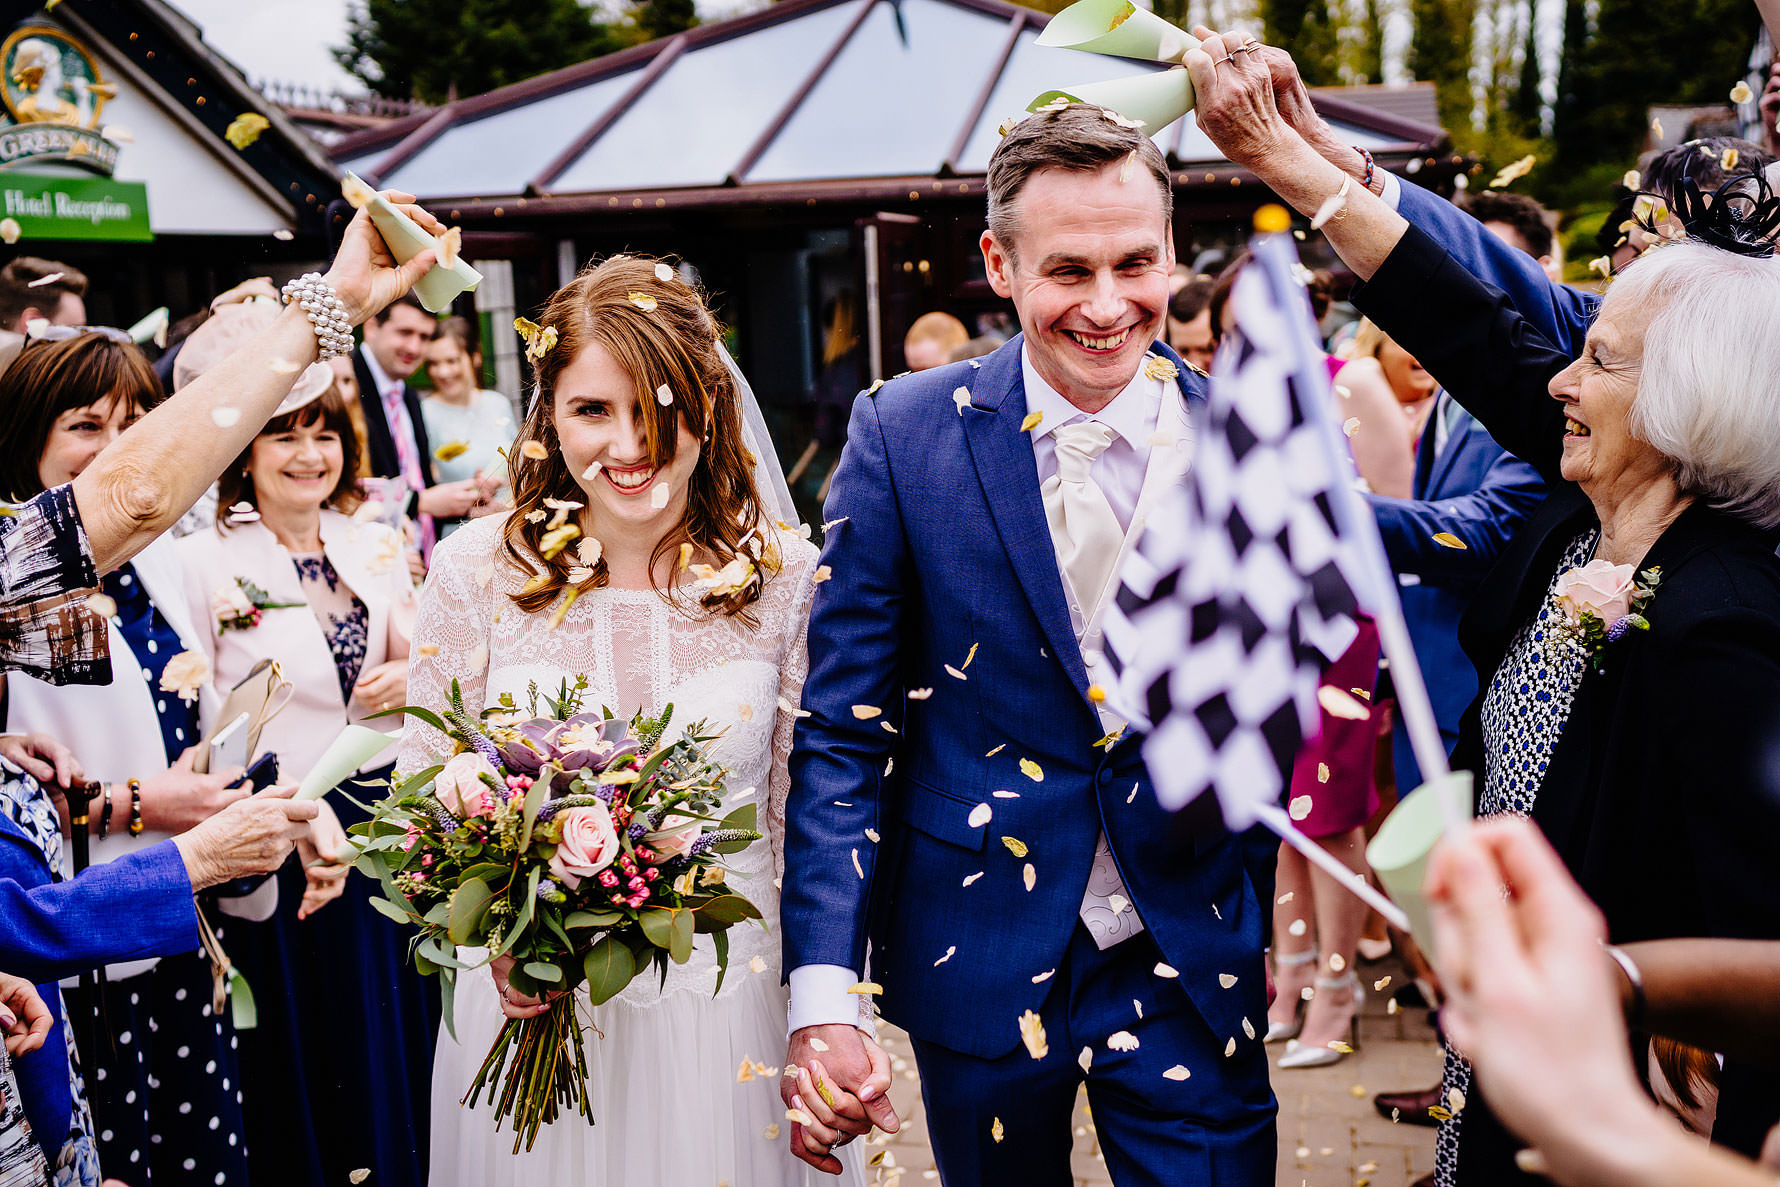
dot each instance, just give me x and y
(944, 577)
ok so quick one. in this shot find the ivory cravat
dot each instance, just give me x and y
(1087, 536)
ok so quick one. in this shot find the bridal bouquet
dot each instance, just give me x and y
(576, 843)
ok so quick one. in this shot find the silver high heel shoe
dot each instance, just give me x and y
(1298, 1055)
(1279, 1032)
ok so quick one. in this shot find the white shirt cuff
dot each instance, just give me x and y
(819, 997)
(1390, 189)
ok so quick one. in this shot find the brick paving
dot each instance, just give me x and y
(1329, 1135)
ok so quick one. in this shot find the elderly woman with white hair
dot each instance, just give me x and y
(1628, 640)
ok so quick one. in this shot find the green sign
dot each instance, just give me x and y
(75, 207)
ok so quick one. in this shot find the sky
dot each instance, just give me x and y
(262, 36)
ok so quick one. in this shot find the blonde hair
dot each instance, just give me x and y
(660, 332)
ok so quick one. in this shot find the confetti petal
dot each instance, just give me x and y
(1032, 421)
(1299, 808)
(1015, 846)
(1513, 173)
(1631, 180)
(919, 694)
(1029, 875)
(1739, 94)
(451, 449)
(866, 712)
(1166, 971)
(101, 604)
(1032, 1033)
(1448, 540)
(867, 988)
(658, 498)
(955, 673)
(1121, 1040)
(1044, 976)
(1338, 702)
(1248, 1028)
(857, 868)
(1351, 425)
(664, 273)
(1032, 770)
(643, 301)
(50, 278)
(1158, 368)
(1226, 979)
(1332, 206)
(10, 230)
(664, 395)
(245, 128)
(1230, 1048)
(996, 1132)
(961, 397)
(534, 450)
(973, 877)
(1177, 1072)
(980, 815)
(225, 418)
(949, 953)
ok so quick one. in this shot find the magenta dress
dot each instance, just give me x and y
(1344, 746)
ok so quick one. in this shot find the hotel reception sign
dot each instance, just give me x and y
(75, 207)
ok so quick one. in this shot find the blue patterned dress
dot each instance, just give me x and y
(1523, 716)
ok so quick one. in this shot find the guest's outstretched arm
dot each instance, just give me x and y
(1721, 995)
(140, 487)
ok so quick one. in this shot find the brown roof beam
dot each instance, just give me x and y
(646, 77)
(764, 141)
(1385, 124)
(981, 103)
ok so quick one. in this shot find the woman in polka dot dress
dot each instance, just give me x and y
(159, 1063)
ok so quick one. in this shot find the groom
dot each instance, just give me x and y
(1033, 917)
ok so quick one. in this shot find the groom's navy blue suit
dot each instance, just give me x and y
(942, 556)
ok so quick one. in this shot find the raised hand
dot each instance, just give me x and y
(364, 275)
(1233, 91)
(856, 1073)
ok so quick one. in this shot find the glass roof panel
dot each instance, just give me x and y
(889, 106)
(693, 125)
(500, 153)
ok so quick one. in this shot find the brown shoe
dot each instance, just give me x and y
(1426, 1180)
(1408, 1108)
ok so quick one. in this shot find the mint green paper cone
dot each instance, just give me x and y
(441, 285)
(1117, 27)
(1399, 852)
(1158, 98)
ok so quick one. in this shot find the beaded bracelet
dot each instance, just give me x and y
(135, 807)
(325, 311)
(1371, 167)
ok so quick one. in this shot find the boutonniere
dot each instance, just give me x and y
(1601, 601)
(239, 605)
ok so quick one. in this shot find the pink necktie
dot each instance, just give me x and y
(408, 458)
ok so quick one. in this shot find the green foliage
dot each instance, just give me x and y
(1306, 30)
(436, 50)
(1440, 53)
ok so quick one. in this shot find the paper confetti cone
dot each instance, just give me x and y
(1158, 99)
(356, 746)
(1117, 27)
(1399, 852)
(406, 240)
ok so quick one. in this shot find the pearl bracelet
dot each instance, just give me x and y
(325, 311)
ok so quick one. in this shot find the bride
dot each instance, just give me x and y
(636, 435)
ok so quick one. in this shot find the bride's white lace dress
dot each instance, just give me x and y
(671, 1104)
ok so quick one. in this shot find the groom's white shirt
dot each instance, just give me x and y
(819, 992)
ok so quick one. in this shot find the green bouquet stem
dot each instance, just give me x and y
(535, 1068)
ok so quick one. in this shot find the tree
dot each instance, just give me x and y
(435, 50)
(1306, 30)
(662, 18)
(1440, 53)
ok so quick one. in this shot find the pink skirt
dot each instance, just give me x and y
(1343, 748)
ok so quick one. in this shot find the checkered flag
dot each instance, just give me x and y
(1244, 585)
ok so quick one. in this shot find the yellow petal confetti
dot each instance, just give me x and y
(451, 449)
(10, 230)
(450, 244)
(1730, 158)
(868, 988)
(1096, 694)
(1029, 876)
(1032, 1033)
(1032, 421)
(866, 712)
(1739, 94)
(1299, 808)
(980, 815)
(972, 655)
(643, 301)
(1514, 172)
(745, 1073)
(1121, 1040)
(1032, 770)
(1437, 1112)
(771, 1132)
(961, 397)
(534, 450)
(1448, 540)
(798, 1117)
(1113, 117)
(101, 604)
(428, 649)
(1015, 846)
(245, 128)
(1226, 979)
(1339, 703)
(1358, 1092)
(1160, 369)
(1177, 1072)
(1166, 971)
(996, 1132)
(996, 751)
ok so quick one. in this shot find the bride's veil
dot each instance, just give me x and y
(769, 476)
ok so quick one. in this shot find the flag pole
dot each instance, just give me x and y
(1291, 834)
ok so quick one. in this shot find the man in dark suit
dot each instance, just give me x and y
(394, 347)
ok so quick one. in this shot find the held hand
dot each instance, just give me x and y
(450, 500)
(43, 758)
(179, 798)
(250, 836)
(856, 1073)
(326, 856)
(416, 566)
(515, 1004)
(364, 275)
(25, 1019)
(384, 686)
(1530, 995)
(1233, 96)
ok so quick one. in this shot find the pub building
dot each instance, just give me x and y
(114, 159)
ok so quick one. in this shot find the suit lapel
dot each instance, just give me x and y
(1008, 472)
(1458, 433)
(382, 443)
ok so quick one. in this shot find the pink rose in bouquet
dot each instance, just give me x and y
(589, 844)
(460, 788)
(1600, 588)
(673, 838)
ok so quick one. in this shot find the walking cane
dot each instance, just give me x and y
(80, 798)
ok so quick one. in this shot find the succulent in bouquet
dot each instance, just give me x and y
(576, 843)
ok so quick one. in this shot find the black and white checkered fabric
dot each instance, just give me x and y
(1242, 588)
